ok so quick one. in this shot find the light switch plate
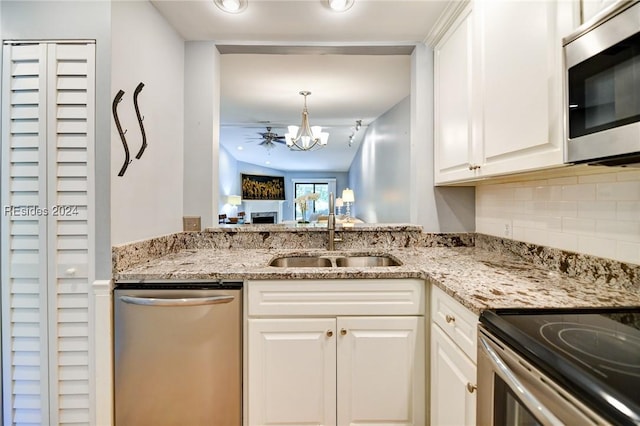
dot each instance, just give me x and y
(191, 223)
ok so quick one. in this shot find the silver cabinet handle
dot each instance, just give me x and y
(525, 395)
(190, 301)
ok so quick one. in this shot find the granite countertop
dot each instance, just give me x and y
(479, 279)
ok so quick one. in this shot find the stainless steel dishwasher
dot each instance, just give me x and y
(178, 353)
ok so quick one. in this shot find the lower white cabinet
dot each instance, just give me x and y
(453, 365)
(335, 369)
(292, 371)
(453, 400)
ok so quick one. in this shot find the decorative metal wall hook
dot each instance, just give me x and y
(114, 108)
(140, 119)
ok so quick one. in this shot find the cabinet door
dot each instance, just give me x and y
(381, 370)
(453, 103)
(291, 371)
(519, 53)
(453, 375)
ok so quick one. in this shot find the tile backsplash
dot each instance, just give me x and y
(596, 214)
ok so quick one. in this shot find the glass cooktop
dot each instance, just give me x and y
(593, 353)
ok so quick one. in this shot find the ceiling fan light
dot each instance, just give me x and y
(231, 6)
(340, 5)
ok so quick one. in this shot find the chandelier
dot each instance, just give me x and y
(305, 137)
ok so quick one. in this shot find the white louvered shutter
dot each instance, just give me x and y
(47, 163)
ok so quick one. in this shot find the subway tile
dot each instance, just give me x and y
(525, 193)
(618, 230)
(601, 247)
(542, 193)
(519, 234)
(536, 236)
(597, 209)
(618, 191)
(599, 178)
(536, 207)
(555, 193)
(563, 241)
(579, 192)
(563, 208)
(570, 180)
(578, 226)
(628, 252)
(628, 210)
(628, 175)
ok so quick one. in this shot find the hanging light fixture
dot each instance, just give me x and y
(305, 137)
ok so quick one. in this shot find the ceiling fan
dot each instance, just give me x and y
(269, 139)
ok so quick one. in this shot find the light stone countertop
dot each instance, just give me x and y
(477, 278)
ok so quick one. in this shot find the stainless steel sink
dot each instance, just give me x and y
(339, 260)
(366, 261)
(301, 262)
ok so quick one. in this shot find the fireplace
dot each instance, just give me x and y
(264, 217)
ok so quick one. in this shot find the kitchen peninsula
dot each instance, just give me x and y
(481, 272)
(439, 282)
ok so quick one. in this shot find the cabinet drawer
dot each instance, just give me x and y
(459, 323)
(335, 297)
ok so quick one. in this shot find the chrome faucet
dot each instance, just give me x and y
(331, 225)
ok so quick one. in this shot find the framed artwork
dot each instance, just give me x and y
(258, 187)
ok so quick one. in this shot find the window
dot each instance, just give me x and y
(318, 207)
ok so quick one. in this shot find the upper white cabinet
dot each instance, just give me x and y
(498, 85)
(455, 154)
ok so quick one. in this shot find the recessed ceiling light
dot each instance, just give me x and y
(240, 148)
(340, 5)
(232, 6)
(267, 162)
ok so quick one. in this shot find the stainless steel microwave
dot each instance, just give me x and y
(602, 88)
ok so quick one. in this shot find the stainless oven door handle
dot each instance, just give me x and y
(190, 301)
(527, 398)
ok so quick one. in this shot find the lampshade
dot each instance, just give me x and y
(234, 200)
(347, 195)
(339, 202)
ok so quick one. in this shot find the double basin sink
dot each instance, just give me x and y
(340, 261)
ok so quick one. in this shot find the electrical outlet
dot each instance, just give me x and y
(507, 230)
(191, 223)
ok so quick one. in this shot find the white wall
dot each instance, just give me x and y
(201, 132)
(147, 200)
(392, 174)
(596, 214)
(380, 172)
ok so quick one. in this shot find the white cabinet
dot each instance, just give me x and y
(455, 155)
(379, 379)
(332, 368)
(47, 231)
(514, 102)
(292, 371)
(453, 361)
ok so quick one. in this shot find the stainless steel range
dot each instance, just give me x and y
(559, 366)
